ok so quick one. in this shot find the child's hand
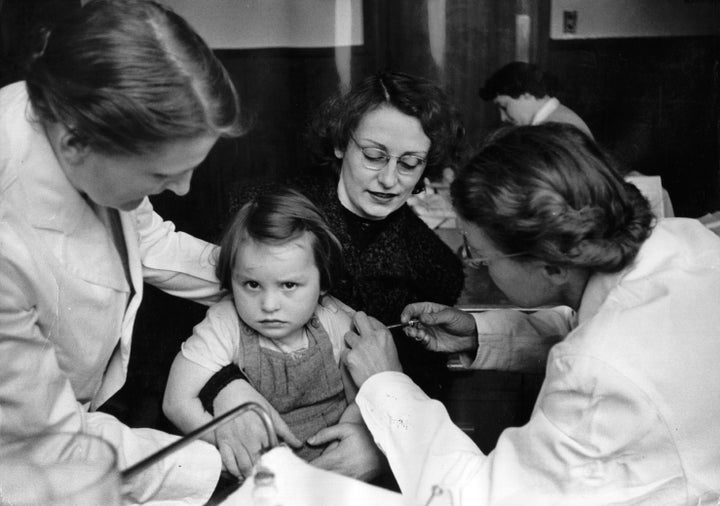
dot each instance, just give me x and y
(240, 440)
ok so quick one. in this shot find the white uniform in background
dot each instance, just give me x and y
(629, 412)
(553, 111)
(69, 293)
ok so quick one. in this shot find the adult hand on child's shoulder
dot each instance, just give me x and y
(240, 440)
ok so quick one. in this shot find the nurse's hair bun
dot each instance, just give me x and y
(607, 245)
(549, 191)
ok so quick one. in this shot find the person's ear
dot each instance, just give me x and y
(339, 153)
(72, 147)
(555, 274)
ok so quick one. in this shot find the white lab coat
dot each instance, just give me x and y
(629, 412)
(67, 307)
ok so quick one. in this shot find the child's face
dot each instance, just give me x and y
(276, 287)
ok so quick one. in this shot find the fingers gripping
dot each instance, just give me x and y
(363, 323)
(237, 461)
(283, 432)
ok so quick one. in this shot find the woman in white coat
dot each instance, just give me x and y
(629, 410)
(123, 101)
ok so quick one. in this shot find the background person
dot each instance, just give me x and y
(373, 146)
(628, 409)
(123, 101)
(525, 95)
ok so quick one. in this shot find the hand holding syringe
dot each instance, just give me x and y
(410, 323)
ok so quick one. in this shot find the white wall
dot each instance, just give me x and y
(243, 24)
(635, 18)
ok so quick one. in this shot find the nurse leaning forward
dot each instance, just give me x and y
(124, 101)
(629, 412)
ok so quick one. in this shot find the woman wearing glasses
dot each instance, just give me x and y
(373, 147)
(629, 410)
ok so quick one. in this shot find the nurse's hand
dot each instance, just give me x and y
(442, 328)
(370, 351)
(240, 440)
(351, 451)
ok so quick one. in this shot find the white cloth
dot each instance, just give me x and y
(215, 341)
(299, 483)
(67, 309)
(628, 412)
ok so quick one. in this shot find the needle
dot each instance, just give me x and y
(410, 323)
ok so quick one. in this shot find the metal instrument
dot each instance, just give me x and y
(131, 471)
(410, 323)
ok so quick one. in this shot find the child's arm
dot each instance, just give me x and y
(213, 344)
(181, 403)
(238, 441)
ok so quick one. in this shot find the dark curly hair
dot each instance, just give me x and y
(551, 192)
(517, 78)
(339, 116)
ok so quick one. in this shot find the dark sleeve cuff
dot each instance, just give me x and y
(217, 382)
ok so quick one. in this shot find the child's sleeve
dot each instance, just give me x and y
(336, 323)
(215, 340)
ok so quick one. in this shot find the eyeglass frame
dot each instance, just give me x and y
(399, 164)
(476, 263)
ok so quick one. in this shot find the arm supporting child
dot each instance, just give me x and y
(200, 358)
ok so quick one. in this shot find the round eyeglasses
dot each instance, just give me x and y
(476, 262)
(377, 159)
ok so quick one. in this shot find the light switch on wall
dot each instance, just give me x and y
(570, 21)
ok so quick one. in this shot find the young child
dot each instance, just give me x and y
(278, 258)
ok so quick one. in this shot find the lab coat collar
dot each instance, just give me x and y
(665, 248)
(56, 206)
(545, 111)
(596, 292)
